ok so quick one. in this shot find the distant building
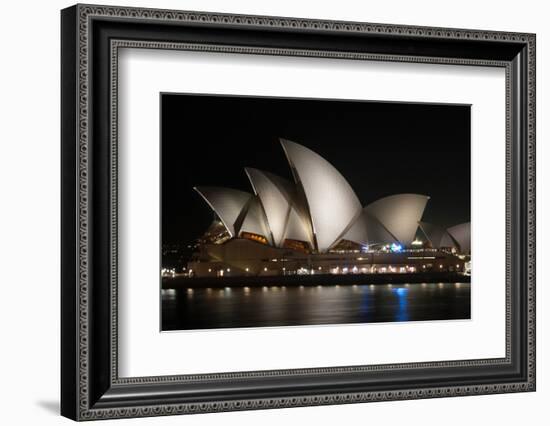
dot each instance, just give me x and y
(317, 224)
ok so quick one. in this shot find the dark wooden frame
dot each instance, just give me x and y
(90, 386)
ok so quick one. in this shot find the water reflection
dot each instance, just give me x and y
(402, 313)
(231, 307)
(365, 309)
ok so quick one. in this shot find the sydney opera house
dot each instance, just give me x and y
(317, 225)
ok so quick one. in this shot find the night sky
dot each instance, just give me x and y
(380, 148)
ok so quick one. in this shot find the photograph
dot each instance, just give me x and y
(299, 211)
(264, 209)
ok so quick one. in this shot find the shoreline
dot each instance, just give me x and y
(314, 280)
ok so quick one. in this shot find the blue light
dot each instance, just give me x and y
(401, 291)
(396, 248)
(402, 313)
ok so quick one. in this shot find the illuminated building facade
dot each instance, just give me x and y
(317, 225)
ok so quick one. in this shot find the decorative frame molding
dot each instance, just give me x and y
(91, 37)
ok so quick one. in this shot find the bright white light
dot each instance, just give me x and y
(396, 248)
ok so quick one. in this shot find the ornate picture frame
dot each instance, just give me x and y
(91, 37)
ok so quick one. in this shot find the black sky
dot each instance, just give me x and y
(380, 148)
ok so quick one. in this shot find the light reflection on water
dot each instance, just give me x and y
(231, 307)
(402, 313)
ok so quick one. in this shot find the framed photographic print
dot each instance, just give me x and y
(298, 245)
(263, 212)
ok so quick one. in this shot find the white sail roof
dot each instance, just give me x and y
(298, 227)
(255, 221)
(331, 201)
(461, 234)
(378, 234)
(275, 194)
(448, 241)
(321, 208)
(358, 231)
(436, 235)
(285, 217)
(399, 214)
(227, 203)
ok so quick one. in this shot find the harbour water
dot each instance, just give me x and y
(275, 306)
